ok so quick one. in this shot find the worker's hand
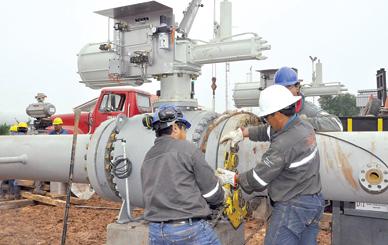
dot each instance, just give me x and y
(226, 177)
(227, 193)
(234, 136)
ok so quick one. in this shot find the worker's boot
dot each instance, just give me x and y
(38, 188)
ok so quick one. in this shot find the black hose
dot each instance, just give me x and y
(121, 167)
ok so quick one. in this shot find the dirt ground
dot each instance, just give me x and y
(42, 224)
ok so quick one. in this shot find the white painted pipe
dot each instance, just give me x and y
(43, 157)
(228, 51)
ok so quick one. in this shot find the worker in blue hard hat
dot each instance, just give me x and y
(319, 119)
(289, 170)
(178, 184)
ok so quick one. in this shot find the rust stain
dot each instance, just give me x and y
(346, 168)
(328, 162)
(254, 150)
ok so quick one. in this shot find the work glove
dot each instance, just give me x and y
(234, 136)
(226, 177)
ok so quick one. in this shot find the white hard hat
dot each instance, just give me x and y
(274, 98)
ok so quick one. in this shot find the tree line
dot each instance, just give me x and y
(4, 129)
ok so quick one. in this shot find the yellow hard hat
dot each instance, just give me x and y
(57, 121)
(13, 128)
(22, 125)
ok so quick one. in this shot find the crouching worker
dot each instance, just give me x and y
(178, 184)
(289, 169)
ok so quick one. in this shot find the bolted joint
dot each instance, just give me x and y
(373, 177)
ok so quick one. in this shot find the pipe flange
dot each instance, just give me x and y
(373, 177)
(206, 120)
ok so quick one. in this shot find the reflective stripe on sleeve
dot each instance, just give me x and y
(258, 179)
(269, 132)
(304, 160)
(212, 192)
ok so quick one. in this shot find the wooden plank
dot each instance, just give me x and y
(43, 199)
(16, 204)
(55, 195)
(73, 200)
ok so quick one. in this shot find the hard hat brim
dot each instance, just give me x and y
(264, 111)
(288, 83)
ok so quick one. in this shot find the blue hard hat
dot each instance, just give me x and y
(166, 115)
(286, 76)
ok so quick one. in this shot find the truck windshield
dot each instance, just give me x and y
(112, 102)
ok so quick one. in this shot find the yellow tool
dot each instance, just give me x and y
(235, 206)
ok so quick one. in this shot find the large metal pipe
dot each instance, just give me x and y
(228, 51)
(344, 156)
(225, 19)
(353, 165)
(248, 94)
(42, 157)
(189, 17)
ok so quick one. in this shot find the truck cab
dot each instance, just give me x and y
(110, 103)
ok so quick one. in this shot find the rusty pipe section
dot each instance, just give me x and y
(17, 159)
(43, 157)
(354, 166)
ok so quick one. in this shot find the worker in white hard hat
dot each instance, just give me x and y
(289, 170)
(58, 127)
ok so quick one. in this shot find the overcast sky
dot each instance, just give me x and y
(40, 40)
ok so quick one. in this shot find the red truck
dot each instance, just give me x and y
(110, 103)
